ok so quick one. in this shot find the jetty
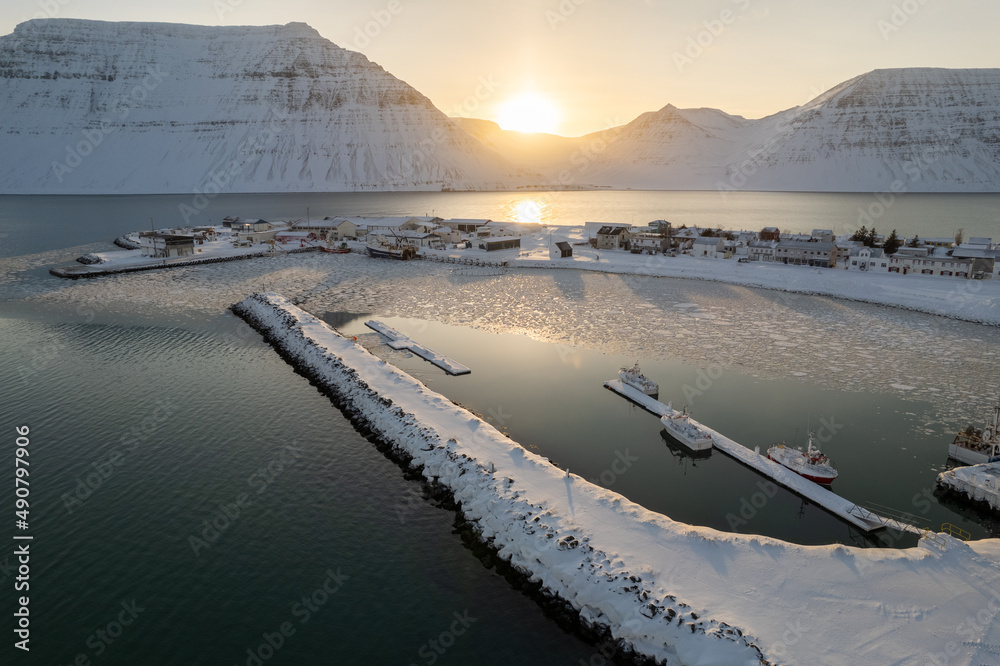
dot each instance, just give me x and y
(78, 271)
(399, 341)
(858, 516)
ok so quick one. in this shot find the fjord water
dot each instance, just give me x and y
(39, 223)
(216, 408)
(141, 433)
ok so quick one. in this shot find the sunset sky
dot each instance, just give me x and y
(585, 65)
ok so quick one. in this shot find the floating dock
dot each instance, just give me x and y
(842, 508)
(399, 341)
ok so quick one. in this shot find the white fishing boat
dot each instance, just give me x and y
(633, 377)
(381, 248)
(975, 447)
(811, 463)
(681, 428)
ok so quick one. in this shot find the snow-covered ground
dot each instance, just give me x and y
(970, 300)
(686, 594)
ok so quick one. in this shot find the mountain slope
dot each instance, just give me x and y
(98, 107)
(915, 129)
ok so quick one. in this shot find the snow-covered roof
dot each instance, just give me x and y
(325, 223)
(963, 252)
(806, 245)
(466, 220)
(873, 252)
(614, 230)
(707, 240)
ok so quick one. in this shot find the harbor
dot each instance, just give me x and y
(529, 511)
(858, 516)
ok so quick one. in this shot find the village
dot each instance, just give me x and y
(435, 237)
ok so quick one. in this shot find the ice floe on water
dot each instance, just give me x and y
(829, 342)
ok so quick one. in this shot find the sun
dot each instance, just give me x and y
(529, 112)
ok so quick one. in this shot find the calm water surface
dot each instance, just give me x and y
(143, 425)
(39, 223)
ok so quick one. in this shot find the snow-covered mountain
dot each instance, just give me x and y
(99, 107)
(914, 129)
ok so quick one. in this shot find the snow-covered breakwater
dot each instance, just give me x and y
(504, 491)
(631, 570)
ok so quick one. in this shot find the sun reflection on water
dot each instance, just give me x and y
(533, 210)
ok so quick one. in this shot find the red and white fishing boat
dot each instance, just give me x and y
(811, 463)
(335, 249)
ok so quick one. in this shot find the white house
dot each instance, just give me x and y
(761, 250)
(647, 242)
(708, 246)
(940, 262)
(870, 259)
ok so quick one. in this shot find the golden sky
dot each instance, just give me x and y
(586, 65)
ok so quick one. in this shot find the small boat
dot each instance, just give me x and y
(341, 249)
(633, 377)
(975, 447)
(811, 463)
(681, 428)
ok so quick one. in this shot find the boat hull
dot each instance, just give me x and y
(695, 442)
(336, 250)
(376, 253)
(970, 457)
(823, 479)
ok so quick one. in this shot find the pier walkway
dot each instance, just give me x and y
(399, 341)
(832, 502)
